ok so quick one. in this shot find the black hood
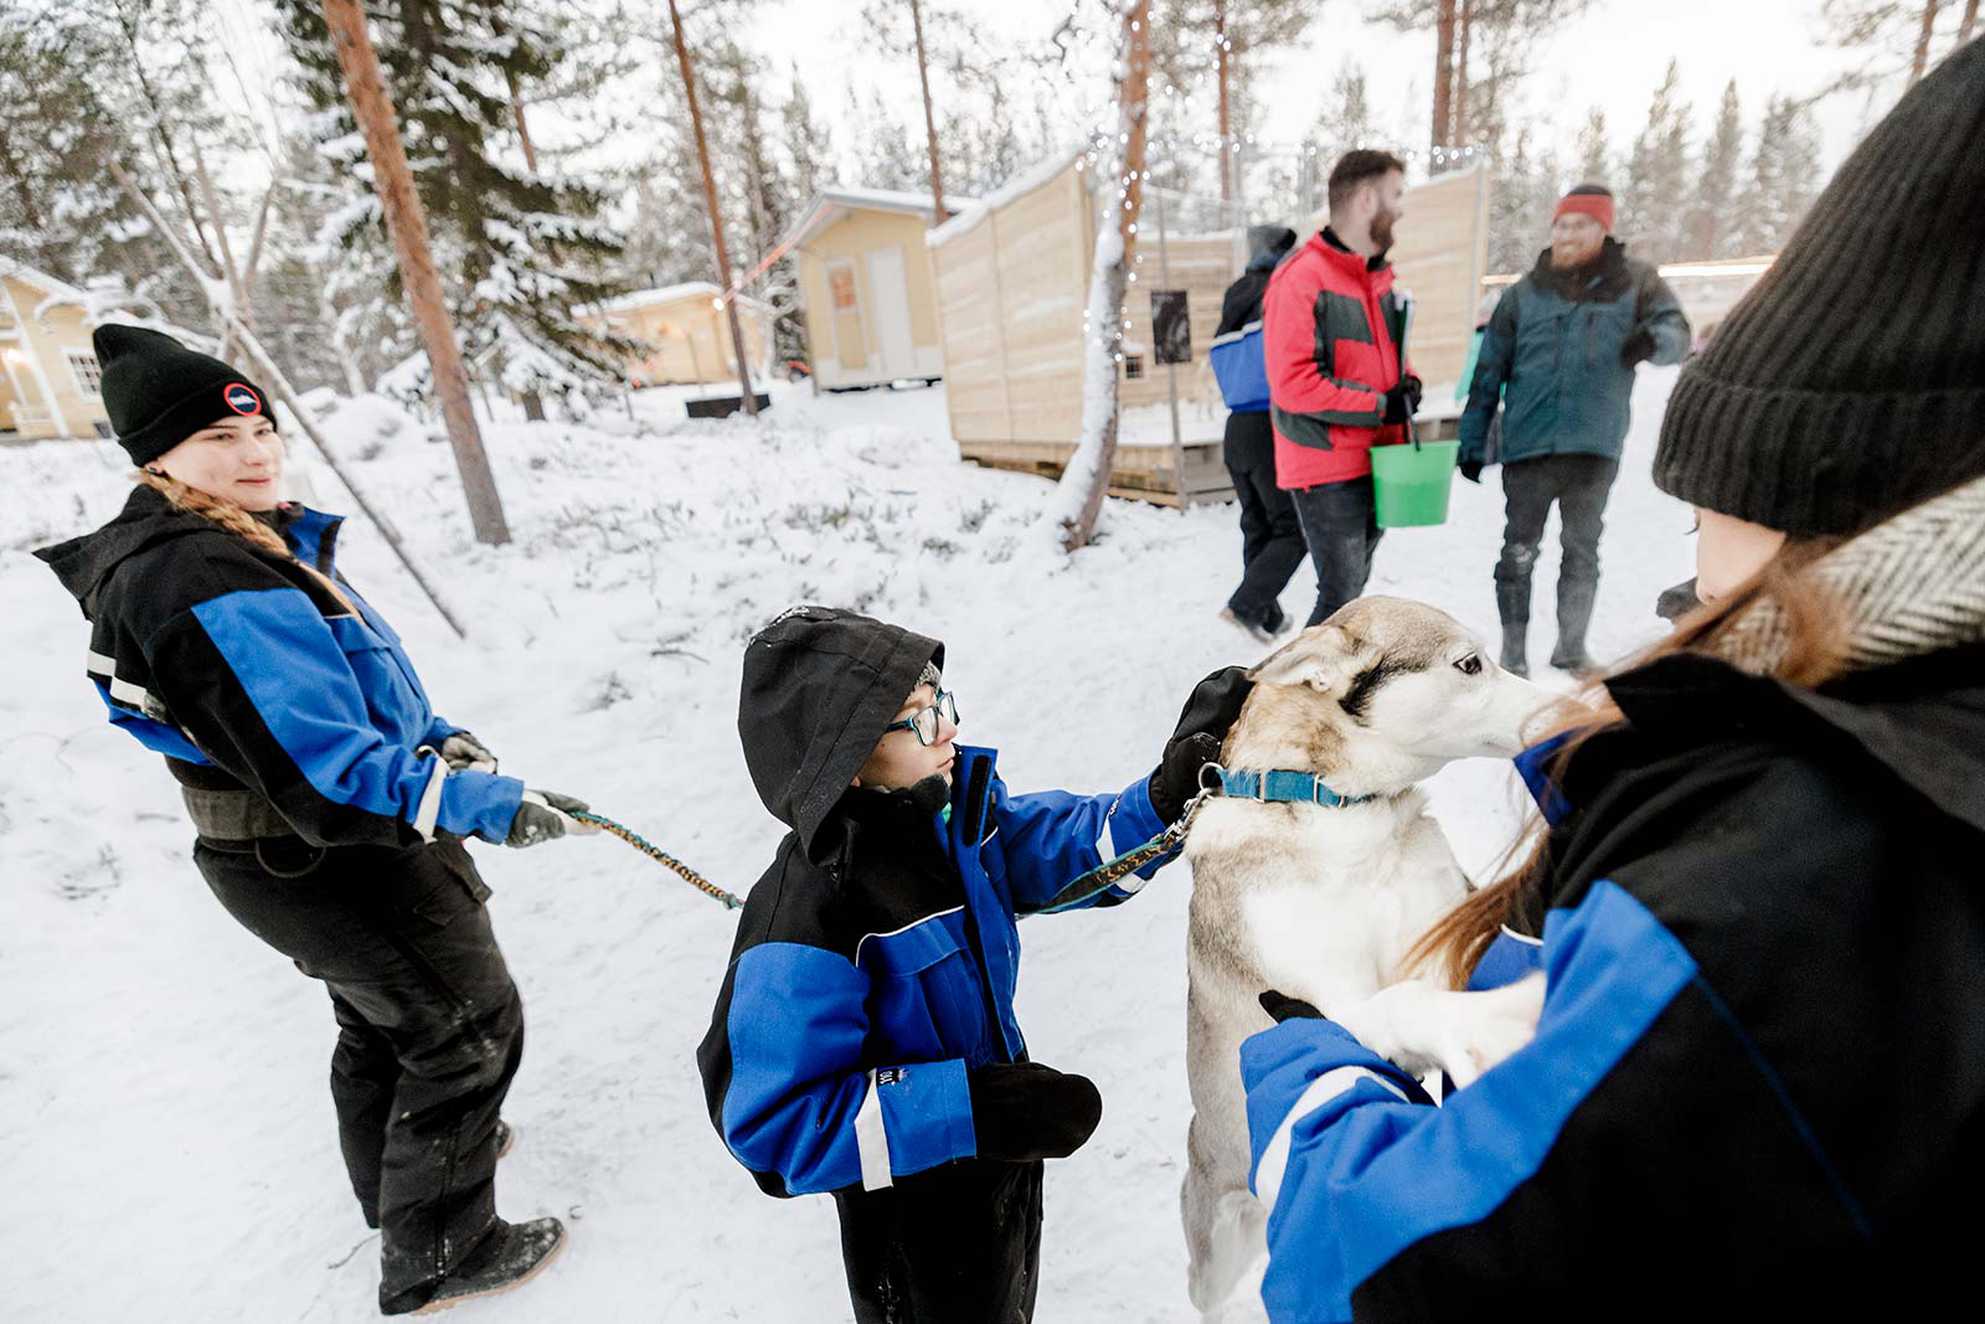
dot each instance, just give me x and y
(148, 519)
(1268, 245)
(820, 684)
(1922, 720)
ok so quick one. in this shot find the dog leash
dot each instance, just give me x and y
(729, 900)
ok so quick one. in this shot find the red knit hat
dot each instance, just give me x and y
(1592, 200)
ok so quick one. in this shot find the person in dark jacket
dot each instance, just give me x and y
(1271, 536)
(864, 1042)
(1559, 356)
(1757, 1087)
(1333, 334)
(330, 801)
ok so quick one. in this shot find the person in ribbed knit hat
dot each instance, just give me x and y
(1752, 918)
(1849, 383)
(158, 392)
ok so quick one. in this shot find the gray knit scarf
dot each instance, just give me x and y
(1912, 585)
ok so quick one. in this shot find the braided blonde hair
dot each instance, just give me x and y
(236, 520)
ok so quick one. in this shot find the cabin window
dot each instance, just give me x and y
(89, 376)
(1133, 367)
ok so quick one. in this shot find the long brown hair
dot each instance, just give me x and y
(236, 520)
(1816, 653)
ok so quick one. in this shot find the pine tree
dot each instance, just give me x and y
(809, 146)
(1716, 183)
(1782, 181)
(1346, 121)
(523, 250)
(1595, 151)
(1651, 213)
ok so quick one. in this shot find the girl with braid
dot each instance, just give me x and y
(330, 803)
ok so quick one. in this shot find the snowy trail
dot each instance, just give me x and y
(165, 1131)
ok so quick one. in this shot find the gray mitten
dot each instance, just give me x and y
(463, 751)
(545, 816)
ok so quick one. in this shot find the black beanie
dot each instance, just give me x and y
(158, 392)
(1849, 384)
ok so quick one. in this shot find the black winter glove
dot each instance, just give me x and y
(1677, 602)
(1638, 348)
(463, 750)
(545, 816)
(1281, 1006)
(1403, 400)
(1472, 470)
(1025, 1112)
(1208, 714)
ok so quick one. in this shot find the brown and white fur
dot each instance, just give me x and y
(1323, 903)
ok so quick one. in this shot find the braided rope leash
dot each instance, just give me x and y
(1088, 886)
(729, 900)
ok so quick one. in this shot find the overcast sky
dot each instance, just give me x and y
(1613, 58)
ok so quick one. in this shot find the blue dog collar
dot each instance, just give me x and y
(1276, 786)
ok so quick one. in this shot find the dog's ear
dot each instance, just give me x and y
(1324, 658)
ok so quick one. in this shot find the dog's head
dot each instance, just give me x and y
(1381, 695)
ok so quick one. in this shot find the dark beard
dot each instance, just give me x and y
(1382, 231)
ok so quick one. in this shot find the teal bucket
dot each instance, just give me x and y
(1411, 482)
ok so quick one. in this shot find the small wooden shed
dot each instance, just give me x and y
(48, 369)
(865, 284)
(1013, 279)
(690, 334)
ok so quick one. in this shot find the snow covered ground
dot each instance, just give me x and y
(166, 1137)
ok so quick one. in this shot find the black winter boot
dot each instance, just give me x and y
(1516, 643)
(510, 1256)
(1575, 601)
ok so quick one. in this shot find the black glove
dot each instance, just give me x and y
(1677, 602)
(1472, 470)
(1403, 400)
(545, 816)
(463, 750)
(1281, 1006)
(1638, 348)
(1208, 714)
(1025, 1112)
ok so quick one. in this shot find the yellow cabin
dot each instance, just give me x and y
(866, 285)
(690, 334)
(49, 386)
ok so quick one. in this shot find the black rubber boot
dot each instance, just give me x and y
(1575, 601)
(1513, 605)
(510, 1256)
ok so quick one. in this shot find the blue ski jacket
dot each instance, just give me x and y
(876, 960)
(247, 674)
(1757, 1087)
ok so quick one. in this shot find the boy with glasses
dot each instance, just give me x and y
(864, 1041)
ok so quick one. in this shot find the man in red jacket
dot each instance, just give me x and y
(1337, 380)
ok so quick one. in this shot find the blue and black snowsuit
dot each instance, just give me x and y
(303, 743)
(874, 969)
(1757, 1089)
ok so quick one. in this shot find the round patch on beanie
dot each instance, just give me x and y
(241, 398)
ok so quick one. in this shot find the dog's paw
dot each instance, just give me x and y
(1488, 1027)
(1422, 1028)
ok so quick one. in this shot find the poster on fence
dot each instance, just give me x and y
(1171, 328)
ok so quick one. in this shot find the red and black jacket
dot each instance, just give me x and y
(1331, 327)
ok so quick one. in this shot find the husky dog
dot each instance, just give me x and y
(1322, 901)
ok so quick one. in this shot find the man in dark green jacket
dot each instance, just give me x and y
(1559, 356)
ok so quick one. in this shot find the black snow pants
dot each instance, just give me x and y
(1579, 484)
(959, 1244)
(430, 1029)
(1271, 537)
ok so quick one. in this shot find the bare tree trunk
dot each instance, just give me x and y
(1226, 130)
(393, 181)
(1922, 60)
(237, 299)
(1461, 135)
(716, 216)
(1964, 24)
(1090, 467)
(523, 129)
(938, 213)
(1443, 78)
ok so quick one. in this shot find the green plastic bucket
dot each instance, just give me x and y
(1411, 482)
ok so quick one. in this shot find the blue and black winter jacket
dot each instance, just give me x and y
(1757, 1089)
(1551, 358)
(876, 960)
(246, 673)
